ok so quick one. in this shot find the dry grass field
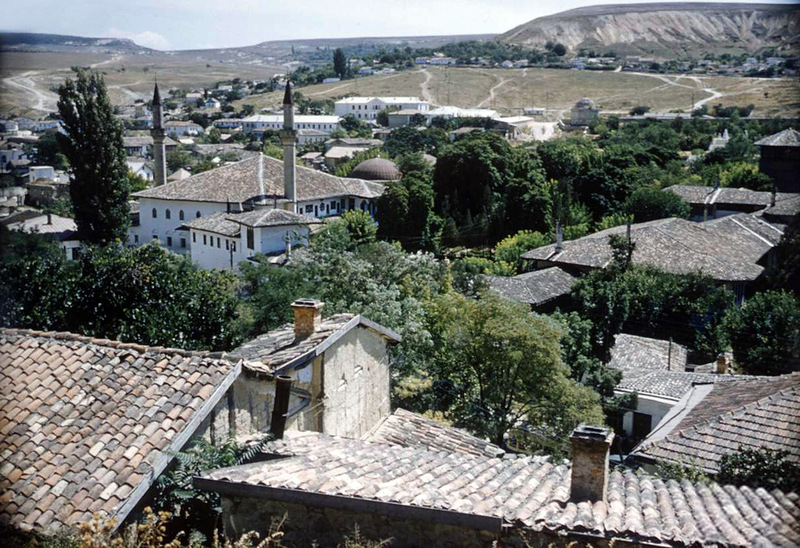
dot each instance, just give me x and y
(510, 90)
(27, 78)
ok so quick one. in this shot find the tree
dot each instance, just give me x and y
(560, 50)
(339, 63)
(498, 364)
(649, 204)
(93, 145)
(355, 127)
(765, 333)
(511, 248)
(761, 467)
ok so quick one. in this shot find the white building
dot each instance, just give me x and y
(41, 172)
(178, 128)
(246, 185)
(44, 125)
(228, 123)
(61, 229)
(139, 167)
(212, 103)
(10, 152)
(366, 108)
(259, 123)
(223, 240)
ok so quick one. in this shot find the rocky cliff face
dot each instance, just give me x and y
(667, 29)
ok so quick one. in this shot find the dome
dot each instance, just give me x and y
(585, 103)
(376, 169)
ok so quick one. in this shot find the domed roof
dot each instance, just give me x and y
(376, 169)
(585, 103)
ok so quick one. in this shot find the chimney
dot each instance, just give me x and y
(307, 317)
(590, 448)
(283, 387)
(288, 140)
(288, 241)
(559, 238)
(49, 218)
(722, 364)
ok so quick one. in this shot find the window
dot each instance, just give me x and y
(219, 244)
(250, 239)
(183, 242)
(168, 214)
(205, 242)
(309, 208)
(75, 253)
(194, 237)
(198, 215)
(136, 238)
(155, 237)
(155, 213)
(180, 215)
(227, 245)
(169, 241)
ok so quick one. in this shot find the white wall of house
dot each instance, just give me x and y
(41, 172)
(655, 406)
(211, 250)
(165, 229)
(369, 108)
(259, 123)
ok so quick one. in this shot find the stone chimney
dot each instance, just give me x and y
(590, 448)
(49, 218)
(559, 238)
(722, 364)
(307, 317)
(288, 140)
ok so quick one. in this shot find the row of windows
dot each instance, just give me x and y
(168, 214)
(209, 241)
(155, 237)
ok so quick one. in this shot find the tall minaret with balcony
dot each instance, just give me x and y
(158, 134)
(288, 139)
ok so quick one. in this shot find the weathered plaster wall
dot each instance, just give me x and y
(355, 389)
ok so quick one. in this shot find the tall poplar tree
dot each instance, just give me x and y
(339, 62)
(99, 186)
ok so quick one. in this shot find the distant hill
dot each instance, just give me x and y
(31, 41)
(666, 29)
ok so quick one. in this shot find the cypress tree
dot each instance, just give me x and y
(99, 187)
(339, 63)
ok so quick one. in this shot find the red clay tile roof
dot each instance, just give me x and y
(522, 491)
(86, 424)
(412, 430)
(761, 412)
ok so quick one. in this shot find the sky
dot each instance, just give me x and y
(200, 24)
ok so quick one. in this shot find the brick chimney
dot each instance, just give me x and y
(307, 317)
(722, 364)
(590, 448)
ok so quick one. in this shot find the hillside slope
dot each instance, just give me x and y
(666, 29)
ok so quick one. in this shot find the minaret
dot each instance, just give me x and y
(288, 139)
(159, 153)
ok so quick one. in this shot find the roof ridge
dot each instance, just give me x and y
(141, 348)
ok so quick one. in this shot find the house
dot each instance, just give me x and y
(716, 202)
(259, 123)
(10, 152)
(400, 118)
(223, 240)
(47, 225)
(331, 80)
(228, 123)
(142, 145)
(140, 168)
(583, 113)
(335, 156)
(194, 98)
(45, 192)
(179, 175)
(212, 103)
(179, 128)
(780, 159)
(310, 136)
(733, 250)
(366, 108)
(720, 141)
(89, 425)
(432, 496)
(713, 420)
(36, 173)
(45, 125)
(543, 289)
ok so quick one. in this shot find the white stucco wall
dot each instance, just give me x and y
(215, 250)
(655, 406)
(161, 227)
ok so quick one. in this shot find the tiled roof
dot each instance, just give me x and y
(522, 491)
(217, 223)
(700, 195)
(535, 288)
(786, 138)
(754, 413)
(86, 424)
(40, 225)
(279, 349)
(726, 249)
(271, 217)
(144, 140)
(409, 429)
(635, 354)
(670, 384)
(240, 182)
(785, 208)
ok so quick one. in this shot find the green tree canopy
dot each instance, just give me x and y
(765, 333)
(760, 467)
(649, 204)
(339, 63)
(93, 145)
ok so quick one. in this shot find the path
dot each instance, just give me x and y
(424, 87)
(490, 98)
(38, 100)
(351, 83)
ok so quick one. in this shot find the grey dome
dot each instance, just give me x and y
(376, 169)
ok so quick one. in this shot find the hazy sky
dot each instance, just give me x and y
(189, 24)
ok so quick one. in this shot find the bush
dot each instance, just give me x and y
(760, 467)
(510, 248)
(649, 204)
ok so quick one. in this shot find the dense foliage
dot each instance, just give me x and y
(761, 467)
(99, 187)
(145, 295)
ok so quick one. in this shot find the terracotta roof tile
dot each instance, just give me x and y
(67, 447)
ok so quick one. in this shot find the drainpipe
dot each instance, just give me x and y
(283, 385)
